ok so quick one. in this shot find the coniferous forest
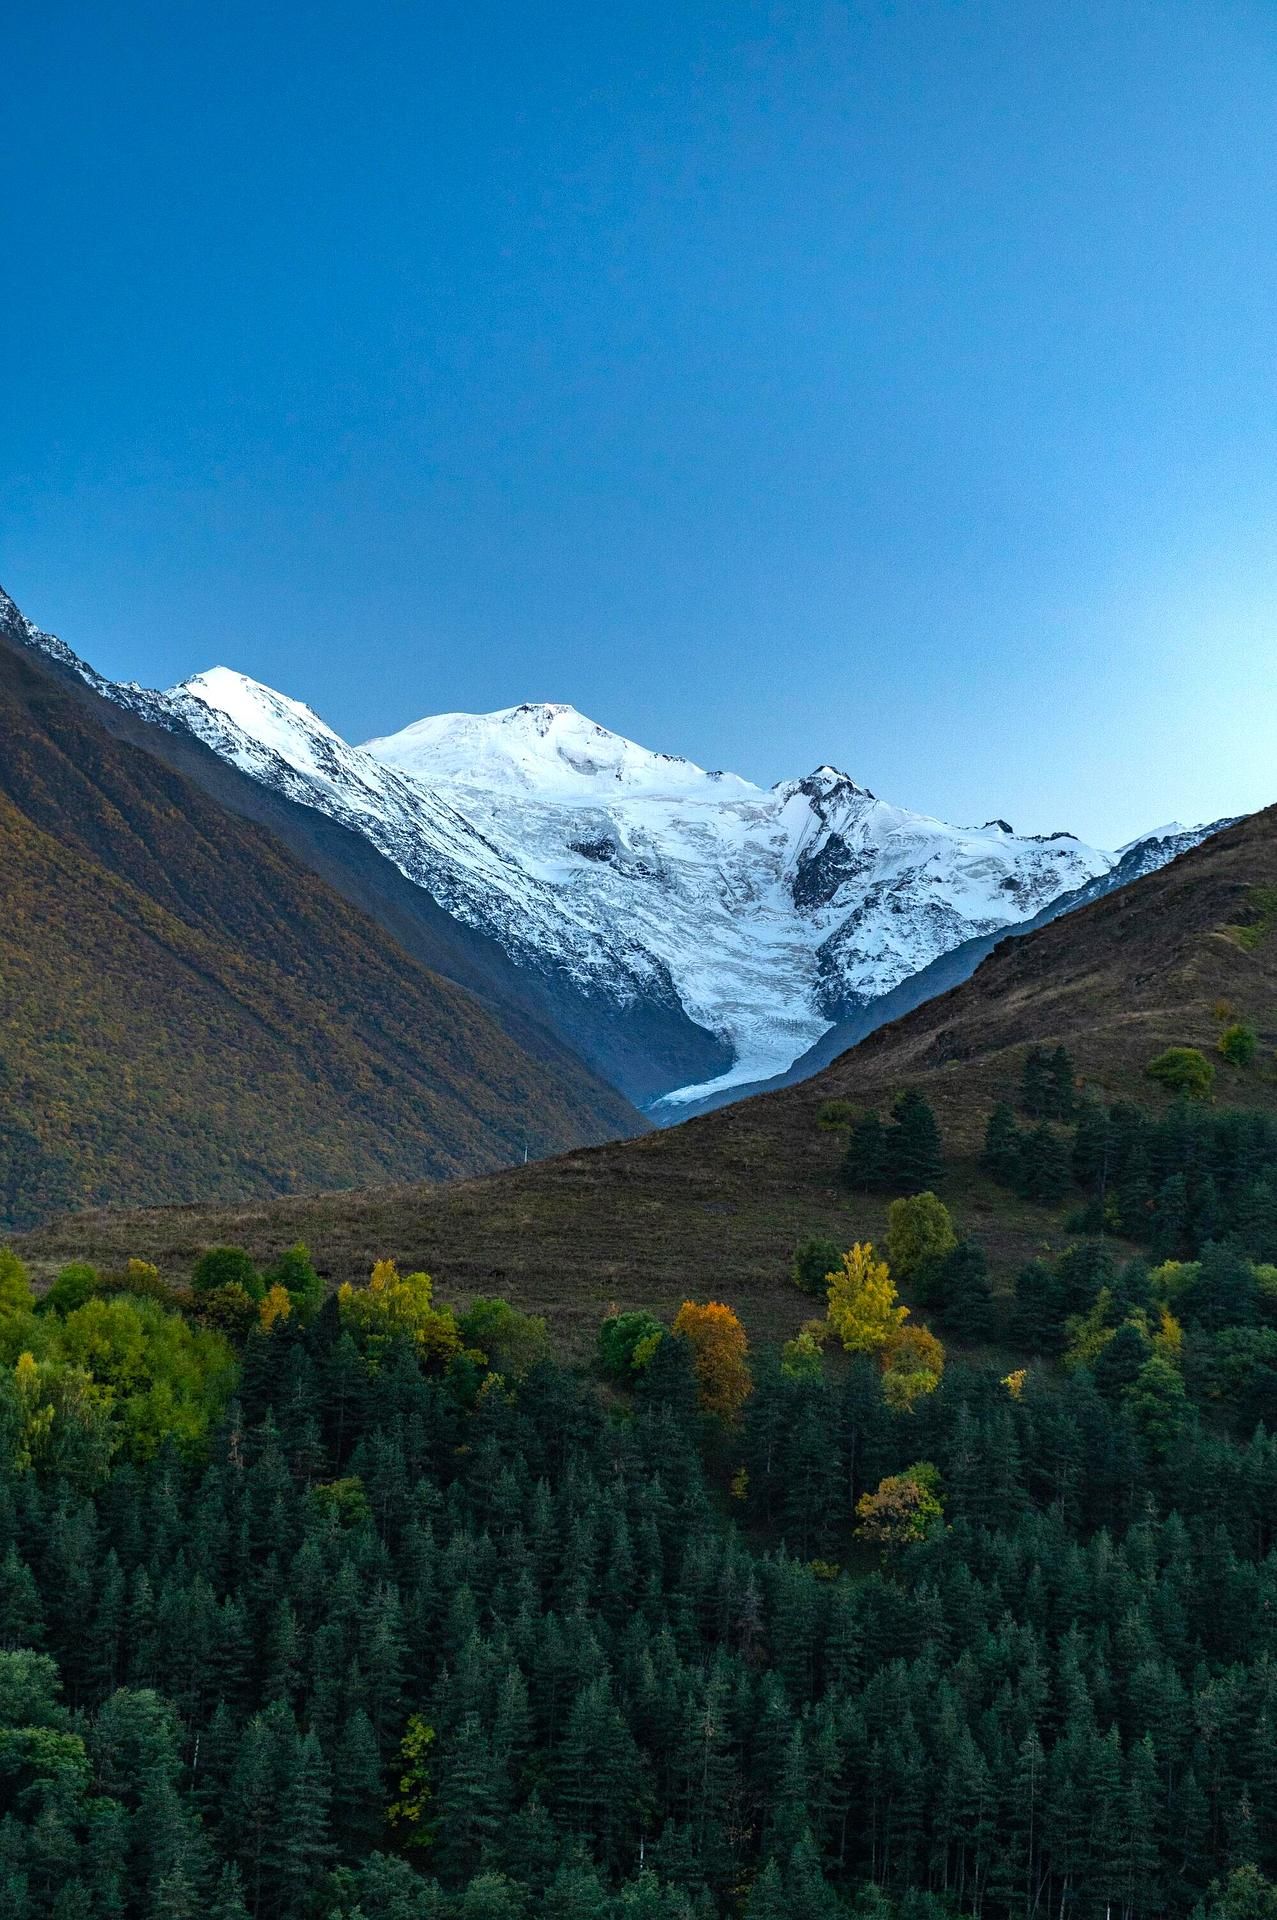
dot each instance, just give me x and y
(360, 1607)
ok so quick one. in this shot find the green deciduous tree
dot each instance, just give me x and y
(1184, 1070)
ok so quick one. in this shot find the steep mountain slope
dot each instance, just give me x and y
(719, 1201)
(637, 1048)
(187, 1010)
(689, 934)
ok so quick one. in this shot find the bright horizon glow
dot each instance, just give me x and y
(778, 385)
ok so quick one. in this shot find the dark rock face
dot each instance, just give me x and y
(604, 848)
(819, 876)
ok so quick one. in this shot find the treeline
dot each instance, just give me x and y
(424, 1627)
(1174, 1181)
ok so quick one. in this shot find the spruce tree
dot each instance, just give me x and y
(1039, 1308)
(964, 1292)
(1091, 1146)
(1044, 1167)
(227, 1901)
(1001, 1156)
(866, 1162)
(359, 1797)
(914, 1146)
(1062, 1076)
(21, 1612)
(303, 1813)
(1035, 1084)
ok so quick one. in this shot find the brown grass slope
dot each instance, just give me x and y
(714, 1207)
(640, 1050)
(185, 1010)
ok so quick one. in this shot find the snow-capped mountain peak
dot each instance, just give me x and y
(547, 750)
(1173, 830)
(269, 717)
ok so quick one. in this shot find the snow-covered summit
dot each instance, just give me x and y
(268, 717)
(766, 912)
(544, 749)
(1173, 830)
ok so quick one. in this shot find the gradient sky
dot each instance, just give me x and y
(894, 385)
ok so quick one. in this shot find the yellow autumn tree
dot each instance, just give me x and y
(63, 1419)
(1168, 1340)
(862, 1301)
(902, 1508)
(719, 1349)
(275, 1306)
(395, 1305)
(912, 1363)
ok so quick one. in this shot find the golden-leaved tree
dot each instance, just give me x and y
(863, 1311)
(904, 1507)
(395, 1305)
(719, 1350)
(867, 1317)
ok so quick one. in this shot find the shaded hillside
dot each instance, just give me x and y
(635, 1048)
(716, 1205)
(188, 1011)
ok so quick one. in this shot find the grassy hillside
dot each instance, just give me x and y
(717, 1204)
(189, 1011)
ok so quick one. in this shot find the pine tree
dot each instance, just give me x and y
(1062, 1076)
(307, 1847)
(767, 1900)
(1039, 1308)
(1001, 1156)
(915, 1160)
(1091, 1147)
(1035, 1084)
(359, 1797)
(1168, 1226)
(866, 1163)
(1045, 1172)
(466, 1816)
(227, 1902)
(964, 1291)
(21, 1612)
(283, 1657)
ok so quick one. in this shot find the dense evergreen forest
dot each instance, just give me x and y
(360, 1608)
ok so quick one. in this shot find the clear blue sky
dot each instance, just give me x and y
(894, 385)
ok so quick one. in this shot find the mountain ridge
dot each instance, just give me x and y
(690, 934)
